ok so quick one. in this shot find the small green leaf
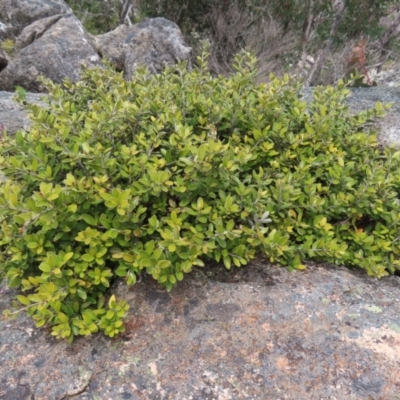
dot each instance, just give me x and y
(23, 300)
(221, 242)
(200, 203)
(89, 219)
(227, 262)
(62, 317)
(172, 247)
(45, 267)
(121, 211)
(40, 323)
(164, 264)
(68, 256)
(112, 301)
(82, 294)
(87, 257)
(86, 147)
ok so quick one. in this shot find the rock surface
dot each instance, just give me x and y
(51, 41)
(56, 47)
(7, 31)
(12, 115)
(17, 14)
(259, 332)
(155, 43)
(110, 46)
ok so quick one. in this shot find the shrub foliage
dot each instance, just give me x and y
(165, 172)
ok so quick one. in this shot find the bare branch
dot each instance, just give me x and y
(389, 34)
(307, 35)
(126, 9)
(234, 27)
(316, 70)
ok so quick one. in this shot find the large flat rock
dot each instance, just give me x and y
(259, 332)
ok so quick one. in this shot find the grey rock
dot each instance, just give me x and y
(21, 13)
(56, 47)
(7, 31)
(12, 114)
(110, 46)
(35, 30)
(154, 43)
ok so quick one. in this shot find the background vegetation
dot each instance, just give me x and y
(281, 33)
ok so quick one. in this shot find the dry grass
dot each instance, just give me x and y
(233, 29)
(230, 27)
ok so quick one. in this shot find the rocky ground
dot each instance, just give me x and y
(259, 332)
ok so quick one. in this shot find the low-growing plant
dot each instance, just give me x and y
(8, 46)
(162, 173)
(20, 94)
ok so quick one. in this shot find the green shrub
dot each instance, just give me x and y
(167, 171)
